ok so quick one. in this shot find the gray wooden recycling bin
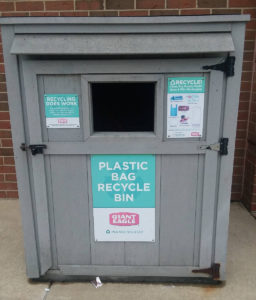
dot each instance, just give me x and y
(124, 133)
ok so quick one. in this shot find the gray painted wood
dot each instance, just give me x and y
(38, 169)
(119, 145)
(211, 166)
(226, 164)
(21, 163)
(121, 28)
(128, 20)
(178, 204)
(144, 271)
(71, 210)
(124, 66)
(120, 44)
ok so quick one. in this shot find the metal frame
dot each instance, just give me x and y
(13, 26)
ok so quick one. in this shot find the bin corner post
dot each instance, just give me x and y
(226, 168)
(18, 136)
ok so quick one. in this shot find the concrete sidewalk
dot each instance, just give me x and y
(241, 270)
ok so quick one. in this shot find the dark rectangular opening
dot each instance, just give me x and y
(122, 107)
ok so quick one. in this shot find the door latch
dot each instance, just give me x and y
(221, 147)
(35, 149)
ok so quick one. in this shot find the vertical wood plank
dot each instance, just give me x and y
(38, 169)
(211, 167)
(71, 209)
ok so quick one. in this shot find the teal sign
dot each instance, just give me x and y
(61, 106)
(123, 181)
(178, 85)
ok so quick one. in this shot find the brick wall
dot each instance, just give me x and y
(90, 8)
(249, 188)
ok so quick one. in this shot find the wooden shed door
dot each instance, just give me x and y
(186, 185)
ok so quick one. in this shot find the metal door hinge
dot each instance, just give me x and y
(213, 271)
(221, 147)
(228, 66)
(35, 149)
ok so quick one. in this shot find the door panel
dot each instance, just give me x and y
(179, 198)
(186, 188)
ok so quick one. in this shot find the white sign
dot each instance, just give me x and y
(185, 107)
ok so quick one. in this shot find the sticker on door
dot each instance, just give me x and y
(123, 190)
(185, 107)
(61, 110)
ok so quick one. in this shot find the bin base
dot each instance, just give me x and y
(56, 276)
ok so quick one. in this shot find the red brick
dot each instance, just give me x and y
(119, 4)
(4, 106)
(1, 177)
(226, 11)
(245, 86)
(4, 115)
(29, 5)
(252, 12)
(191, 12)
(251, 24)
(89, 4)
(74, 14)
(2, 70)
(3, 97)
(12, 194)
(15, 14)
(5, 125)
(241, 134)
(237, 179)
(6, 152)
(59, 5)
(8, 186)
(243, 105)
(44, 14)
(238, 161)
(239, 152)
(6, 6)
(1, 161)
(241, 3)
(244, 96)
(10, 177)
(164, 12)
(133, 13)
(2, 87)
(9, 161)
(250, 35)
(2, 194)
(241, 124)
(238, 170)
(112, 13)
(212, 3)
(181, 3)
(249, 45)
(7, 143)
(5, 134)
(2, 78)
(150, 4)
(246, 76)
(7, 169)
(247, 66)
